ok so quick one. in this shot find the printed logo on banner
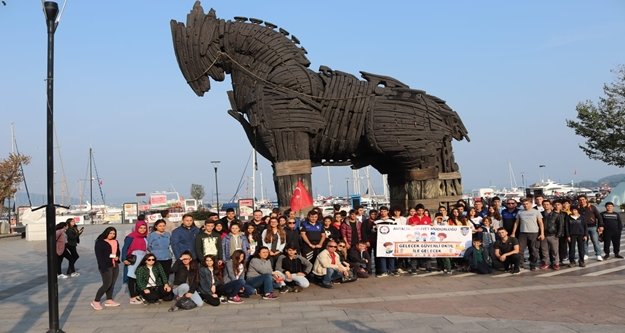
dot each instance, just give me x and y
(384, 229)
(464, 231)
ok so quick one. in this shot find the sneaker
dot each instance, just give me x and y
(75, 274)
(605, 257)
(297, 289)
(600, 258)
(448, 272)
(544, 266)
(618, 256)
(382, 275)
(224, 299)
(413, 272)
(96, 305)
(572, 263)
(135, 301)
(516, 271)
(284, 289)
(401, 271)
(111, 303)
(556, 267)
(582, 264)
(270, 296)
(394, 274)
(235, 300)
(326, 285)
(62, 276)
(532, 268)
(585, 257)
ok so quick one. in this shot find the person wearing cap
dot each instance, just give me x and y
(611, 226)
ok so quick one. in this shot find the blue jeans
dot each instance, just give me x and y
(331, 274)
(264, 280)
(387, 265)
(593, 235)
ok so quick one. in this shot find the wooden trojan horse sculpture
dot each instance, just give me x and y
(298, 118)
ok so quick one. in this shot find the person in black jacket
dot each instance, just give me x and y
(73, 238)
(187, 278)
(360, 259)
(107, 254)
(611, 226)
(554, 229)
(576, 231)
(295, 268)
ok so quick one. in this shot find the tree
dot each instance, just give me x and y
(10, 176)
(603, 124)
(197, 192)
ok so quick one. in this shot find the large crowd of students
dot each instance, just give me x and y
(226, 260)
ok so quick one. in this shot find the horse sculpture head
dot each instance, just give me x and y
(197, 46)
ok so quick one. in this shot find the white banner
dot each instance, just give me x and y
(423, 241)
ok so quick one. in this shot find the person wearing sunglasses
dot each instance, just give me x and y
(328, 266)
(152, 281)
(292, 234)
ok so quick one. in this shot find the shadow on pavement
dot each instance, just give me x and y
(355, 326)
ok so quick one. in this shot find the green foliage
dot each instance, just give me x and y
(10, 176)
(197, 192)
(200, 215)
(603, 124)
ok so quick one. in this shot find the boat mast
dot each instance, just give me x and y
(370, 189)
(254, 166)
(64, 188)
(513, 183)
(15, 150)
(329, 180)
(90, 185)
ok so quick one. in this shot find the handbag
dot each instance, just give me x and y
(131, 258)
(185, 303)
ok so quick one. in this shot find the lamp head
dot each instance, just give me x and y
(51, 9)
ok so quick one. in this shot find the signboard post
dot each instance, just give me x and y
(246, 209)
(130, 212)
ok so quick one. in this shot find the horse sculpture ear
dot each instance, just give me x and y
(212, 13)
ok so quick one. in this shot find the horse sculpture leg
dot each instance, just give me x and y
(292, 164)
(425, 186)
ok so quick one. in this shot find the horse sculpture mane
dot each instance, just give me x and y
(298, 118)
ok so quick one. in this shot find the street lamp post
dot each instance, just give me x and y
(347, 188)
(215, 164)
(51, 10)
(542, 174)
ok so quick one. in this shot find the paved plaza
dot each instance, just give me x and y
(570, 300)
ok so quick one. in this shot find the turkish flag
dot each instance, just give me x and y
(301, 198)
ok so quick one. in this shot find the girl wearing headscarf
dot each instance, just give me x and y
(135, 245)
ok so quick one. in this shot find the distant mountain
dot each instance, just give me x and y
(612, 181)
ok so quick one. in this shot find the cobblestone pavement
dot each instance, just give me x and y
(570, 300)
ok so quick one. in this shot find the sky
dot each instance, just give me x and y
(514, 71)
